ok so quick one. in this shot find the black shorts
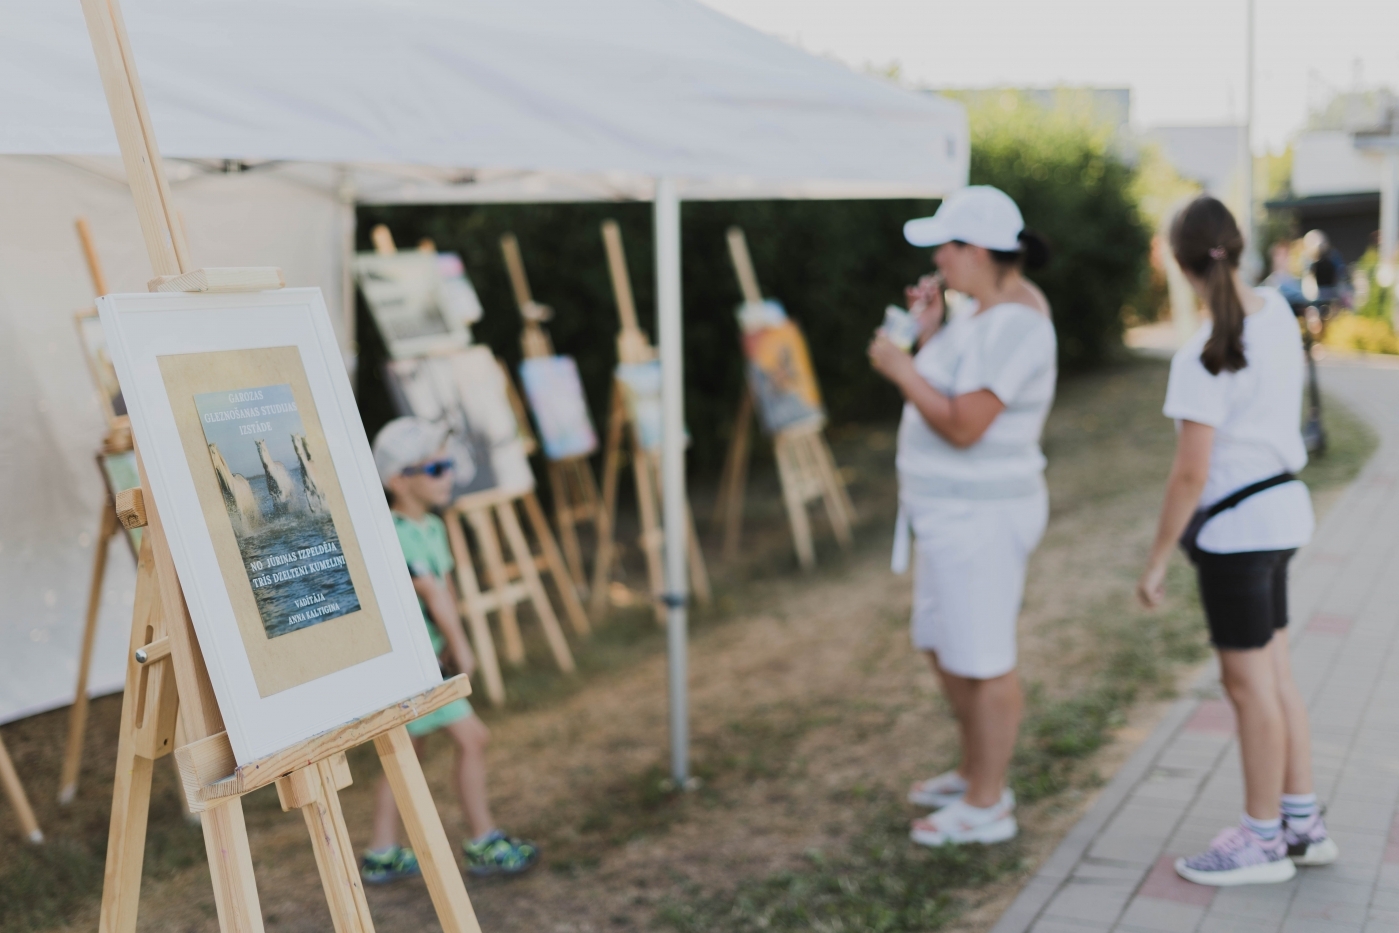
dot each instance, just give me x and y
(1244, 595)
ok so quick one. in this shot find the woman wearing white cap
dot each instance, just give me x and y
(971, 486)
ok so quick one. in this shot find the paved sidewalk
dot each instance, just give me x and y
(1114, 869)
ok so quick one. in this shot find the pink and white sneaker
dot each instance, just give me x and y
(1308, 842)
(1238, 856)
(959, 823)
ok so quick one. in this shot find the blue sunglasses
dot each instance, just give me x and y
(434, 469)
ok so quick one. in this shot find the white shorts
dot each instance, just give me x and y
(969, 578)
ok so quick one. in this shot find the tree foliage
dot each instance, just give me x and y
(1075, 189)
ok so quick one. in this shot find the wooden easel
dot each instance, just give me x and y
(805, 465)
(117, 440)
(166, 673)
(574, 485)
(19, 801)
(634, 347)
(512, 568)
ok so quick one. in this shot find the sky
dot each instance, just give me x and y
(1184, 60)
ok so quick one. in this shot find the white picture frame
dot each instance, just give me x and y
(154, 339)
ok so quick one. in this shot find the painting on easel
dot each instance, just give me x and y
(421, 302)
(99, 363)
(779, 368)
(466, 391)
(641, 389)
(555, 395)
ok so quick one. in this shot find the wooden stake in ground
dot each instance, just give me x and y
(166, 673)
(624, 439)
(805, 466)
(572, 481)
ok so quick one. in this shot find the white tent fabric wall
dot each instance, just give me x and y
(50, 420)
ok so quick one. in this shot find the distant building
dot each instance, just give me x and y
(1339, 167)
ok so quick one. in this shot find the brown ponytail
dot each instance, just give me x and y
(1207, 244)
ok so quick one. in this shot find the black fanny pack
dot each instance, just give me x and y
(1191, 534)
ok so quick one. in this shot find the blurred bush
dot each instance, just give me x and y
(1063, 167)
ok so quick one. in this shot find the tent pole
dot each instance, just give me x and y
(668, 326)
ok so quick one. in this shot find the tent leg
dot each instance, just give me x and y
(674, 510)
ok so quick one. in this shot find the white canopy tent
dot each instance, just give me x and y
(379, 101)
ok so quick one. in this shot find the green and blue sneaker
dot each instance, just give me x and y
(389, 865)
(498, 854)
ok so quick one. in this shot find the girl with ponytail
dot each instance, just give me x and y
(1235, 507)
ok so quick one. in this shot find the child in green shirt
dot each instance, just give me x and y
(417, 475)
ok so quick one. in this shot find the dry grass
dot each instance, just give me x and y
(810, 715)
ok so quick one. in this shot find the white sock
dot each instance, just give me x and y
(1266, 830)
(1298, 808)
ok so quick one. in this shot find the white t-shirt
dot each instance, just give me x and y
(1011, 350)
(1256, 414)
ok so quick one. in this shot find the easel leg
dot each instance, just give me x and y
(475, 613)
(607, 514)
(77, 716)
(231, 868)
(424, 826)
(789, 472)
(14, 790)
(515, 538)
(651, 535)
(564, 517)
(732, 491)
(555, 562)
(837, 500)
(484, 527)
(314, 791)
(837, 497)
(699, 573)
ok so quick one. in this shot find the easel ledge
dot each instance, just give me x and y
(210, 774)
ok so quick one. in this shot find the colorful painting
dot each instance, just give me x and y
(555, 396)
(641, 391)
(466, 391)
(779, 369)
(271, 491)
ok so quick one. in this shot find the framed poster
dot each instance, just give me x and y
(466, 391)
(780, 375)
(555, 394)
(267, 491)
(99, 364)
(419, 303)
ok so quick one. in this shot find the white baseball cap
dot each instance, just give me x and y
(404, 442)
(979, 215)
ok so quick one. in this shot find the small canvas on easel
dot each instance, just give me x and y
(641, 390)
(555, 395)
(779, 368)
(280, 533)
(466, 391)
(417, 309)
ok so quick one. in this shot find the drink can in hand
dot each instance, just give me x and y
(900, 327)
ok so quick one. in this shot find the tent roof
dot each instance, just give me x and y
(609, 90)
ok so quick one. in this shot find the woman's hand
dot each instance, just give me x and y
(925, 303)
(1151, 588)
(889, 361)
